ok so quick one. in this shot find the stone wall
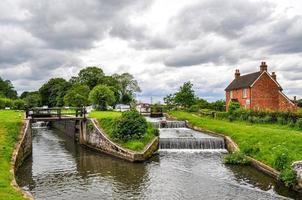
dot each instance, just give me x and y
(95, 138)
(66, 126)
(22, 151)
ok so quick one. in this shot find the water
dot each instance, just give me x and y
(61, 169)
(163, 123)
(40, 124)
(184, 138)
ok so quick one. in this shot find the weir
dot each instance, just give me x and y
(176, 135)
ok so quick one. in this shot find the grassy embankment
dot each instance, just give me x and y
(269, 139)
(10, 126)
(107, 121)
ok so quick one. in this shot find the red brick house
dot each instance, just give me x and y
(259, 91)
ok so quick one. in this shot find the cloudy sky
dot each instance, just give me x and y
(162, 43)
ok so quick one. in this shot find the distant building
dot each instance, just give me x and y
(122, 107)
(143, 107)
(259, 91)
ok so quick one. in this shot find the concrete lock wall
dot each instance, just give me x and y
(69, 127)
(95, 138)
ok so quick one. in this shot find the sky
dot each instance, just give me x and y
(162, 43)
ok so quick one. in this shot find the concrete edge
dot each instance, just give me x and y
(233, 147)
(135, 156)
(13, 170)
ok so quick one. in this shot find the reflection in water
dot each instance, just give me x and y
(61, 169)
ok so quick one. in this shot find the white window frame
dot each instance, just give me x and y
(231, 94)
(244, 93)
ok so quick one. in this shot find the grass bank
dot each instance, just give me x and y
(267, 140)
(107, 120)
(10, 126)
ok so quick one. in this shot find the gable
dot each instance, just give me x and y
(268, 75)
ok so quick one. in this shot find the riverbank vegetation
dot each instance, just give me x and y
(273, 144)
(128, 129)
(10, 126)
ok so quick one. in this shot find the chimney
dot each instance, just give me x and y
(263, 67)
(274, 76)
(237, 74)
(295, 99)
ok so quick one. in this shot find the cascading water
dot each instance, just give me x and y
(175, 135)
(40, 124)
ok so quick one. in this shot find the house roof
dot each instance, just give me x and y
(244, 81)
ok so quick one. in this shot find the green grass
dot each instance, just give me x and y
(10, 126)
(271, 139)
(107, 121)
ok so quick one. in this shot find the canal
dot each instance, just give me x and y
(61, 169)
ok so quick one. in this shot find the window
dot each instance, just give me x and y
(244, 95)
(231, 94)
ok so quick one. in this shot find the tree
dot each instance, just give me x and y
(33, 99)
(218, 105)
(128, 87)
(185, 97)
(7, 89)
(300, 103)
(169, 100)
(77, 96)
(90, 76)
(53, 92)
(102, 96)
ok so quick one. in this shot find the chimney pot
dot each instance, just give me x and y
(237, 73)
(295, 99)
(274, 76)
(263, 67)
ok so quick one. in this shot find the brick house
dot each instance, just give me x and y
(259, 91)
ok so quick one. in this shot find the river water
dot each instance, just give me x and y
(61, 169)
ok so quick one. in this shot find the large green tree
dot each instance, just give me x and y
(77, 96)
(53, 92)
(128, 87)
(31, 99)
(185, 97)
(90, 76)
(7, 89)
(102, 96)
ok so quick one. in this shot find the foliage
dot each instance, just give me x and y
(130, 125)
(271, 139)
(5, 102)
(193, 108)
(299, 123)
(218, 105)
(233, 107)
(90, 76)
(236, 158)
(185, 96)
(282, 160)
(101, 96)
(249, 151)
(32, 100)
(10, 126)
(169, 101)
(18, 104)
(7, 89)
(53, 92)
(128, 86)
(288, 177)
(77, 96)
(300, 103)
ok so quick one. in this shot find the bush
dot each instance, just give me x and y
(288, 177)
(222, 115)
(281, 120)
(299, 123)
(231, 118)
(233, 107)
(19, 104)
(131, 125)
(236, 158)
(193, 108)
(282, 161)
(268, 119)
(291, 123)
(5, 102)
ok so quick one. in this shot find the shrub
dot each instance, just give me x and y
(130, 125)
(231, 118)
(19, 104)
(193, 108)
(233, 107)
(5, 102)
(299, 123)
(268, 119)
(222, 115)
(291, 123)
(281, 120)
(236, 158)
(281, 161)
(288, 177)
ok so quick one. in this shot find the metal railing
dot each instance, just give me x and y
(41, 112)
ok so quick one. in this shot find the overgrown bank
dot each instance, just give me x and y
(108, 120)
(275, 145)
(10, 126)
